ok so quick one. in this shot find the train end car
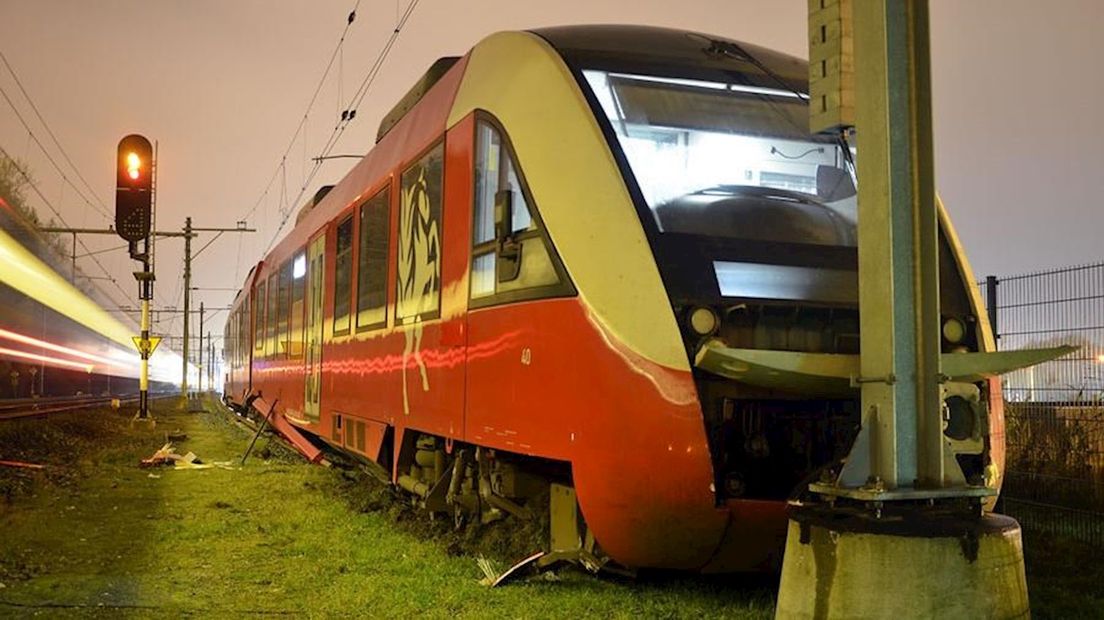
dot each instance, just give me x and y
(592, 271)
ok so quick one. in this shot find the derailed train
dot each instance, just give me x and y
(583, 270)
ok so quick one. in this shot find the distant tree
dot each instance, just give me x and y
(14, 180)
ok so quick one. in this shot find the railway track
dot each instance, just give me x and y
(11, 409)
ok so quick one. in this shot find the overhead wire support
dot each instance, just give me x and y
(306, 113)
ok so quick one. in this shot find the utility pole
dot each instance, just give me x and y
(199, 366)
(189, 232)
(187, 301)
(901, 501)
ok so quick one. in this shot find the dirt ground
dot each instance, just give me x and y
(94, 535)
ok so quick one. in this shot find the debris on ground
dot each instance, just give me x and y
(177, 436)
(166, 455)
(22, 465)
(490, 572)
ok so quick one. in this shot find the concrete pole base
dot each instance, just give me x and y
(147, 422)
(911, 564)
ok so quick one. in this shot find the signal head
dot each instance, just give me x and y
(134, 188)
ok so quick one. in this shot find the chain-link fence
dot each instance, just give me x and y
(1055, 411)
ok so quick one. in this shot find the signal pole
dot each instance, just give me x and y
(134, 204)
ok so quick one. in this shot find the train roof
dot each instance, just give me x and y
(680, 53)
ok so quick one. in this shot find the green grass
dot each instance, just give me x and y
(95, 535)
(275, 537)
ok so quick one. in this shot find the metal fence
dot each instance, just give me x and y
(1055, 411)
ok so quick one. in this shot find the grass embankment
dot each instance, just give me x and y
(94, 534)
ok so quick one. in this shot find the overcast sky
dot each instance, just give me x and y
(222, 84)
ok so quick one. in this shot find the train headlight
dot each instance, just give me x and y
(954, 330)
(704, 321)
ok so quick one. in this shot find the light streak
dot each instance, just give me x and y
(54, 361)
(23, 271)
(55, 347)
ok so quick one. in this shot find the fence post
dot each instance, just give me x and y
(991, 306)
(991, 310)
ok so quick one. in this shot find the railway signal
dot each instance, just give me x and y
(134, 190)
(133, 215)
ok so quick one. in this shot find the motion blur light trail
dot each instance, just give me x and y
(58, 348)
(46, 359)
(26, 273)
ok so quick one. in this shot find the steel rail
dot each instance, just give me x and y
(29, 408)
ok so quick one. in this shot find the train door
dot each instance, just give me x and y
(512, 261)
(315, 286)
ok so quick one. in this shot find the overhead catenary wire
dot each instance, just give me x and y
(306, 114)
(49, 157)
(347, 116)
(98, 205)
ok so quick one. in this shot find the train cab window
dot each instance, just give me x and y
(343, 276)
(511, 259)
(372, 262)
(298, 294)
(270, 314)
(282, 304)
(258, 321)
(419, 238)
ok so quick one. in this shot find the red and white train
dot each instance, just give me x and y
(546, 285)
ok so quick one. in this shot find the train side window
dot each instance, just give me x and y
(282, 309)
(372, 262)
(258, 321)
(270, 314)
(419, 238)
(247, 331)
(343, 276)
(246, 335)
(511, 261)
(298, 294)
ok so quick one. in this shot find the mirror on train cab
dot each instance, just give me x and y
(833, 184)
(504, 214)
(508, 265)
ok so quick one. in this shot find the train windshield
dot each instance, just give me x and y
(728, 160)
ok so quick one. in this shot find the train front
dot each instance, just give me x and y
(752, 224)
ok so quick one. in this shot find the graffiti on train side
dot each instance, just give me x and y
(419, 261)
